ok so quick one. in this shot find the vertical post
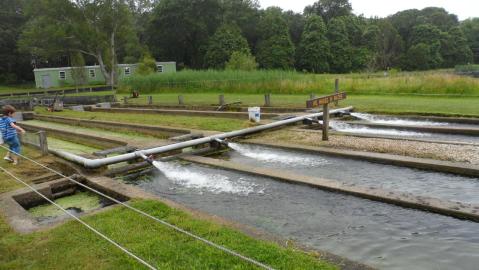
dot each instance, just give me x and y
(42, 137)
(325, 122)
(181, 101)
(125, 100)
(312, 96)
(267, 100)
(336, 89)
(150, 100)
(221, 100)
(76, 90)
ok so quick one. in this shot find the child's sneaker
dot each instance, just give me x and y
(15, 163)
(7, 158)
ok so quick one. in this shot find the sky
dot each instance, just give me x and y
(462, 8)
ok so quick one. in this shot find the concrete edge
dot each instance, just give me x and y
(220, 114)
(411, 162)
(438, 206)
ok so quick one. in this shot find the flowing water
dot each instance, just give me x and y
(364, 173)
(396, 121)
(382, 235)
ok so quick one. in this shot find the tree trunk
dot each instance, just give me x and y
(113, 59)
(106, 74)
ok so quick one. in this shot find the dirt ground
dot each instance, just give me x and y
(447, 152)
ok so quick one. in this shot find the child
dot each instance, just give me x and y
(9, 130)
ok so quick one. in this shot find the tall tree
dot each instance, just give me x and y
(180, 29)
(455, 49)
(425, 50)
(470, 28)
(14, 65)
(341, 50)
(95, 28)
(313, 50)
(245, 14)
(275, 50)
(385, 43)
(329, 9)
(223, 44)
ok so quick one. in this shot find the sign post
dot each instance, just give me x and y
(325, 102)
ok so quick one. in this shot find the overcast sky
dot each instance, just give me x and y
(382, 8)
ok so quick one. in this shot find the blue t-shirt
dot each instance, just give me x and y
(6, 127)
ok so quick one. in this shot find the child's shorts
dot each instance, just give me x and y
(14, 144)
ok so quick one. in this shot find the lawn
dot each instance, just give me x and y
(189, 122)
(72, 246)
(395, 104)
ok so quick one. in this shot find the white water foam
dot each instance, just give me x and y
(272, 156)
(345, 127)
(215, 183)
(395, 121)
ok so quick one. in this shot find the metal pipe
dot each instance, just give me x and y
(96, 163)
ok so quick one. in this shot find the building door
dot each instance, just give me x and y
(46, 81)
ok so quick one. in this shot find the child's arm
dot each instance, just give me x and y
(21, 130)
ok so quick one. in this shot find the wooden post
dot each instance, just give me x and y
(181, 100)
(150, 100)
(336, 89)
(42, 138)
(91, 90)
(325, 122)
(125, 100)
(221, 100)
(267, 100)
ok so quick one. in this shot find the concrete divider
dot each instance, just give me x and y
(443, 207)
(411, 162)
(237, 115)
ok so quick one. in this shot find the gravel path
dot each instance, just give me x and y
(438, 151)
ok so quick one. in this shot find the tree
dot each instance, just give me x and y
(329, 9)
(455, 49)
(385, 43)
(147, 65)
(245, 14)
(95, 28)
(275, 49)
(470, 28)
(340, 48)
(241, 61)
(14, 65)
(313, 50)
(296, 22)
(423, 56)
(222, 44)
(180, 29)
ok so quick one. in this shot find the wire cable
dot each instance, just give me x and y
(129, 253)
(178, 229)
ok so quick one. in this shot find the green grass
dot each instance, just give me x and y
(443, 82)
(190, 122)
(465, 106)
(71, 246)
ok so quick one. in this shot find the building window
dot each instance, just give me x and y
(91, 72)
(62, 75)
(159, 68)
(127, 71)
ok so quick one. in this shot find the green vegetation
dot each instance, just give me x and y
(467, 68)
(73, 246)
(84, 200)
(189, 122)
(75, 148)
(289, 82)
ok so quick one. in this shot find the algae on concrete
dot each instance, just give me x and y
(83, 200)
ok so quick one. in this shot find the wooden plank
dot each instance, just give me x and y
(325, 100)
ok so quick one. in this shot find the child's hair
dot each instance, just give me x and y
(8, 109)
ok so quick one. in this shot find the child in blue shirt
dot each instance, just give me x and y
(9, 130)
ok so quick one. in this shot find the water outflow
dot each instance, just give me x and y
(214, 183)
(358, 129)
(272, 156)
(394, 121)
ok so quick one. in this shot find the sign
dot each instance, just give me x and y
(325, 100)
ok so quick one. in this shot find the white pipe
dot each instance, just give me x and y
(96, 163)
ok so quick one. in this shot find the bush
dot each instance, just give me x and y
(147, 65)
(241, 61)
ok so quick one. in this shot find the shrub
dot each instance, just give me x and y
(241, 61)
